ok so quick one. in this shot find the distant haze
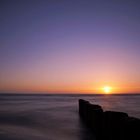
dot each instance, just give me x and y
(69, 46)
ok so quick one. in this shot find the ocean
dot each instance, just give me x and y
(55, 117)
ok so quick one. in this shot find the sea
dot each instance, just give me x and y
(53, 116)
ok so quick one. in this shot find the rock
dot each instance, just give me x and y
(114, 125)
(132, 129)
(83, 108)
(109, 125)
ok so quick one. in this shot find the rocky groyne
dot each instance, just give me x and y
(109, 125)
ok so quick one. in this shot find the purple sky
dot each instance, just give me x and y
(69, 45)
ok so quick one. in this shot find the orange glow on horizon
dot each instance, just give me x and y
(82, 87)
(72, 89)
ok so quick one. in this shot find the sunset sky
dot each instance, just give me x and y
(69, 46)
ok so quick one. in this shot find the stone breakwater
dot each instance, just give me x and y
(109, 125)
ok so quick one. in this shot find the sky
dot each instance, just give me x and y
(69, 46)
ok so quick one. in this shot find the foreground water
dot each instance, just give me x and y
(55, 117)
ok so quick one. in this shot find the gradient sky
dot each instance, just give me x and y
(69, 46)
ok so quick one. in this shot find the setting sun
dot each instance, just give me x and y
(107, 89)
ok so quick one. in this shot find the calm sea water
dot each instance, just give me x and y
(54, 117)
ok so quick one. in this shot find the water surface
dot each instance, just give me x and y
(55, 117)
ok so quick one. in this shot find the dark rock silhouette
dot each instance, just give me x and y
(109, 125)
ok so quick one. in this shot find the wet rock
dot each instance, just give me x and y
(109, 125)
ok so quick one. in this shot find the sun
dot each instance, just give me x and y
(107, 89)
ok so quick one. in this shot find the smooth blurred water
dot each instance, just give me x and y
(55, 117)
